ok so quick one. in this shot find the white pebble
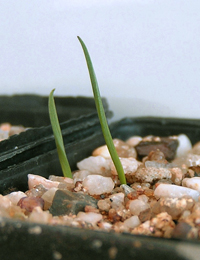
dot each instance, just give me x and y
(184, 145)
(192, 183)
(5, 202)
(102, 151)
(49, 195)
(80, 175)
(16, 196)
(175, 191)
(117, 200)
(143, 198)
(192, 160)
(134, 140)
(130, 166)
(137, 206)
(132, 222)
(97, 184)
(105, 226)
(89, 217)
(40, 216)
(95, 165)
(34, 180)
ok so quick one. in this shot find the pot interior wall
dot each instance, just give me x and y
(32, 110)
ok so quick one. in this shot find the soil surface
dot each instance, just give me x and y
(161, 197)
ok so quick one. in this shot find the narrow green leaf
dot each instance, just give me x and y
(102, 117)
(58, 137)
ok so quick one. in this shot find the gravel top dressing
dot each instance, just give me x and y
(161, 197)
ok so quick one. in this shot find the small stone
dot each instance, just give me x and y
(162, 225)
(34, 180)
(5, 202)
(184, 145)
(123, 150)
(181, 230)
(95, 165)
(16, 130)
(56, 178)
(80, 175)
(66, 202)
(132, 222)
(91, 209)
(177, 175)
(130, 166)
(15, 196)
(143, 197)
(64, 182)
(29, 203)
(97, 184)
(132, 195)
(48, 197)
(173, 206)
(145, 215)
(192, 160)
(113, 216)
(104, 205)
(196, 148)
(89, 217)
(36, 191)
(102, 151)
(167, 145)
(105, 226)
(40, 216)
(156, 156)
(151, 174)
(134, 140)
(193, 183)
(149, 192)
(136, 206)
(117, 200)
(175, 191)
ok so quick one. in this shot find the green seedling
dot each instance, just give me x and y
(58, 137)
(102, 117)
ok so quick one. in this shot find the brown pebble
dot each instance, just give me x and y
(156, 156)
(181, 230)
(89, 208)
(132, 195)
(149, 192)
(145, 215)
(29, 203)
(166, 145)
(113, 216)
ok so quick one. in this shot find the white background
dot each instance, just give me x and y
(146, 53)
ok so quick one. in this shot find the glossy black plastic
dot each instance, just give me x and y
(32, 110)
(78, 118)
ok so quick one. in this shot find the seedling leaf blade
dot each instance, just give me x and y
(58, 137)
(102, 116)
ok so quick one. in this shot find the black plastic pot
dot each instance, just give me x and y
(37, 141)
(78, 119)
(20, 240)
(32, 110)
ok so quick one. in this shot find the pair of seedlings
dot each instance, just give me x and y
(102, 118)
